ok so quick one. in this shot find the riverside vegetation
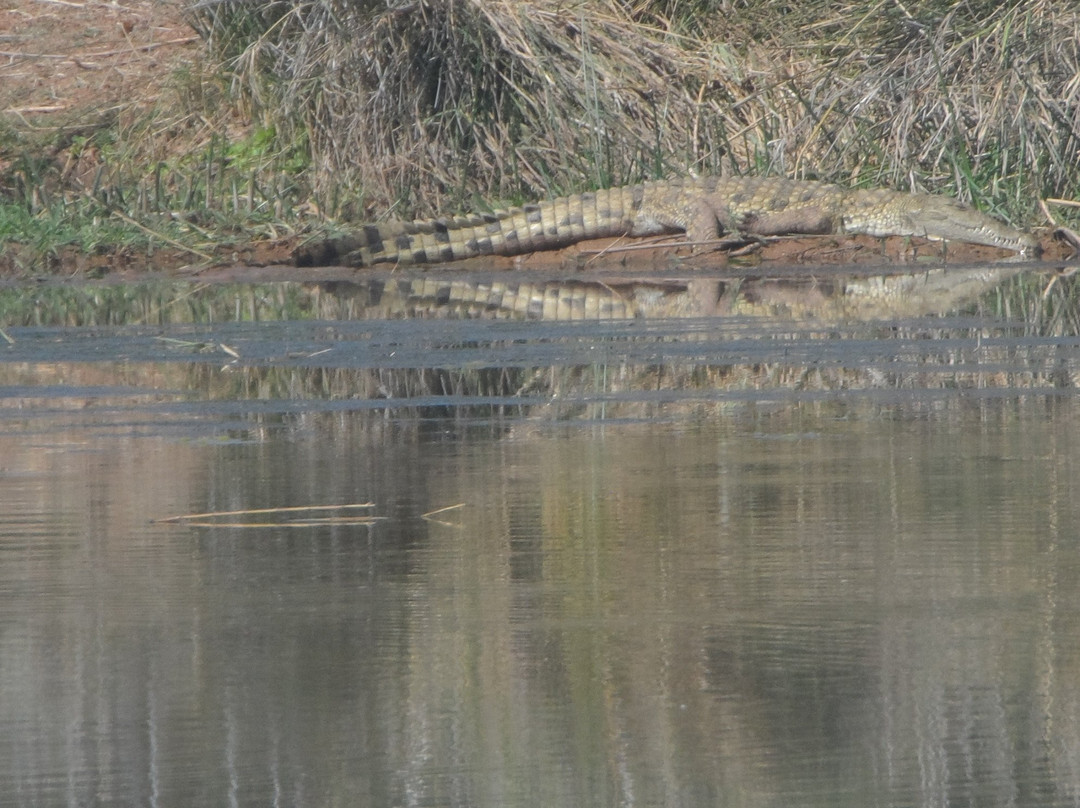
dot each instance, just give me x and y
(353, 111)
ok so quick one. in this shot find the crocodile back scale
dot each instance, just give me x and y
(703, 208)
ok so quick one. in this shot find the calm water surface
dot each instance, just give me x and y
(747, 596)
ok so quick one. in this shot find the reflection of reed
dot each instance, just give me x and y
(649, 618)
(911, 360)
(705, 610)
(628, 376)
(707, 339)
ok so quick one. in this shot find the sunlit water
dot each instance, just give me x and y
(803, 595)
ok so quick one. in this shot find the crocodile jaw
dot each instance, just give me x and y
(937, 218)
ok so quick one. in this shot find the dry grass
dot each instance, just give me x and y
(435, 104)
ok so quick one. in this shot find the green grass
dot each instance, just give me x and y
(222, 192)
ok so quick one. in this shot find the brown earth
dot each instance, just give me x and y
(74, 65)
(71, 67)
(64, 59)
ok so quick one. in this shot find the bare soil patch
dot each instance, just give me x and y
(64, 59)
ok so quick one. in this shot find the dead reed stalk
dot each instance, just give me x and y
(432, 104)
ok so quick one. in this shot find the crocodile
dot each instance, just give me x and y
(705, 209)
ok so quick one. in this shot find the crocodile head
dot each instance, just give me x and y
(935, 217)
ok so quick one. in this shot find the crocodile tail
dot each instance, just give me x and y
(545, 225)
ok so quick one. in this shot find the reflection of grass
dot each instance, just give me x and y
(153, 304)
(1048, 304)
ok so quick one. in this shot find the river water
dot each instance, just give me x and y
(289, 544)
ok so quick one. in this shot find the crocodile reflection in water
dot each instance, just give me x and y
(802, 296)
